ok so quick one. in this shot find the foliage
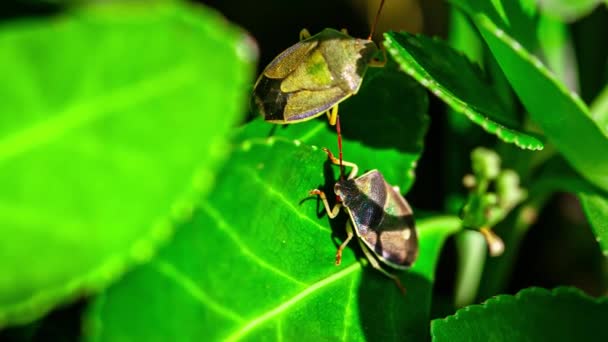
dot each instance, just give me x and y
(140, 202)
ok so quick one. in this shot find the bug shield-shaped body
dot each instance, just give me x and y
(312, 76)
(381, 217)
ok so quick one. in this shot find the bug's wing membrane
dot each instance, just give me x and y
(307, 104)
(285, 63)
(392, 234)
(348, 60)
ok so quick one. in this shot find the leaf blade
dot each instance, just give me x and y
(87, 139)
(443, 70)
(569, 126)
(292, 239)
(533, 313)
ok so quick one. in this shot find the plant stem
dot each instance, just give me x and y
(472, 251)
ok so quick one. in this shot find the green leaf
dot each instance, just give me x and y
(113, 122)
(257, 262)
(599, 110)
(383, 126)
(534, 314)
(518, 17)
(596, 209)
(459, 83)
(568, 10)
(564, 118)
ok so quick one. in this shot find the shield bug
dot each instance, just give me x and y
(380, 216)
(313, 76)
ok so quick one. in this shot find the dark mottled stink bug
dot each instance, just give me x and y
(313, 76)
(380, 216)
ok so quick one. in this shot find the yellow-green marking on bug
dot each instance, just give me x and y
(380, 216)
(313, 76)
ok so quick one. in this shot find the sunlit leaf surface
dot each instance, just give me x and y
(113, 122)
(257, 262)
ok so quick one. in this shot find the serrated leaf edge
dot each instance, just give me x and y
(478, 309)
(504, 133)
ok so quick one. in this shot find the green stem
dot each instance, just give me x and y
(472, 250)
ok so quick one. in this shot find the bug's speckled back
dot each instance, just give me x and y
(382, 218)
(312, 76)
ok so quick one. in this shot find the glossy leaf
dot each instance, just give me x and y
(257, 262)
(565, 119)
(456, 81)
(383, 126)
(534, 314)
(109, 133)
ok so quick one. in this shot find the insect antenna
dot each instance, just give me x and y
(371, 33)
(339, 132)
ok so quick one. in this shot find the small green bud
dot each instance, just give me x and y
(486, 163)
(508, 190)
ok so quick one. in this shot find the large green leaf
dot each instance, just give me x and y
(383, 126)
(459, 83)
(534, 314)
(564, 118)
(113, 121)
(257, 263)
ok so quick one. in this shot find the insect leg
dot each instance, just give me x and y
(304, 34)
(332, 115)
(336, 161)
(333, 212)
(349, 231)
(375, 264)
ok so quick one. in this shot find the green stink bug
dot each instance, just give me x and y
(380, 216)
(313, 76)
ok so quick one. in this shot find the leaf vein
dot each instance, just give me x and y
(312, 132)
(268, 315)
(278, 195)
(225, 227)
(348, 310)
(194, 290)
(81, 114)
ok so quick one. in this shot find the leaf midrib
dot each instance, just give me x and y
(268, 315)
